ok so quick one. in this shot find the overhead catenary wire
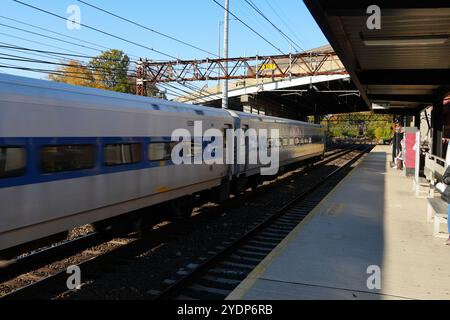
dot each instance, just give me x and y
(31, 60)
(61, 55)
(246, 25)
(283, 34)
(283, 19)
(96, 29)
(80, 54)
(65, 72)
(198, 95)
(50, 37)
(47, 56)
(72, 75)
(61, 34)
(11, 48)
(147, 28)
(92, 28)
(53, 53)
(170, 91)
(45, 71)
(82, 75)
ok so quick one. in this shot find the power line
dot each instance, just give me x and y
(284, 35)
(53, 52)
(65, 72)
(50, 72)
(59, 53)
(73, 73)
(283, 20)
(253, 30)
(34, 54)
(95, 71)
(172, 92)
(40, 43)
(82, 76)
(50, 37)
(15, 49)
(46, 71)
(61, 34)
(198, 96)
(96, 29)
(76, 54)
(30, 60)
(146, 28)
(56, 55)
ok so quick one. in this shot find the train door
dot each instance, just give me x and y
(229, 167)
(222, 192)
(243, 167)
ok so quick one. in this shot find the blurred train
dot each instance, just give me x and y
(71, 156)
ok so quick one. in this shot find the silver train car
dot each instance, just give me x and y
(71, 156)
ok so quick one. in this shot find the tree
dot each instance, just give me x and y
(370, 133)
(384, 133)
(107, 71)
(362, 123)
(76, 73)
(112, 67)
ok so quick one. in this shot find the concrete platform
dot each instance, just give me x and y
(372, 218)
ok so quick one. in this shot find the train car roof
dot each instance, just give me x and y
(117, 100)
(275, 119)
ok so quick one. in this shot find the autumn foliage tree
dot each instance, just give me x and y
(110, 70)
(106, 71)
(76, 73)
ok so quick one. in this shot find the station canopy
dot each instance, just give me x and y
(401, 67)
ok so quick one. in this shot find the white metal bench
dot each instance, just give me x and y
(438, 220)
(422, 188)
(437, 212)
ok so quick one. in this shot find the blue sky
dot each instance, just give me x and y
(194, 21)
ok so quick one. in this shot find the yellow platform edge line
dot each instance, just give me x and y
(239, 292)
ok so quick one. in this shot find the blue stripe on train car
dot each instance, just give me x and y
(33, 174)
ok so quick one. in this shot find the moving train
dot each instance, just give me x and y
(71, 156)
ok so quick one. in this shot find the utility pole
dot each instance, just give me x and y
(225, 55)
(220, 53)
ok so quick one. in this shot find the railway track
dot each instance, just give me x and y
(120, 248)
(219, 275)
(39, 258)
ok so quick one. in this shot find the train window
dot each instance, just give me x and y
(285, 142)
(12, 161)
(67, 158)
(297, 141)
(273, 143)
(291, 141)
(122, 153)
(160, 151)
